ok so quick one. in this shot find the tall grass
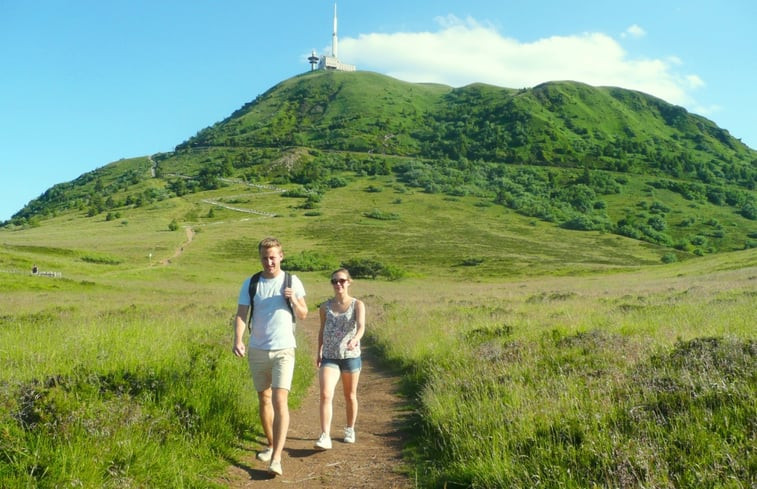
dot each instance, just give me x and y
(120, 374)
(135, 396)
(632, 380)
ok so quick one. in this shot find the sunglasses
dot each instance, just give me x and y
(340, 281)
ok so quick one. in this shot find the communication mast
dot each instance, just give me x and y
(332, 62)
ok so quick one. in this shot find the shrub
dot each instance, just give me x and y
(749, 210)
(363, 267)
(659, 208)
(336, 182)
(100, 259)
(669, 258)
(368, 268)
(383, 216)
(296, 192)
(698, 240)
(391, 272)
(308, 261)
(657, 223)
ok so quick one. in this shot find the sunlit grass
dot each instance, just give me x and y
(138, 395)
(526, 350)
(625, 380)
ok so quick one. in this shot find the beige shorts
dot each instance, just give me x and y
(271, 368)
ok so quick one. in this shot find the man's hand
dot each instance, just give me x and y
(239, 349)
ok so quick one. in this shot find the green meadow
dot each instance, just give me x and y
(564, 277)
(531, 356)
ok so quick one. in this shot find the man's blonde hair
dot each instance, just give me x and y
(267, 243)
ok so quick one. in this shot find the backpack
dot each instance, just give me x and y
(254, 290)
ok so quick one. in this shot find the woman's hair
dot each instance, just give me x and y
(344, 271)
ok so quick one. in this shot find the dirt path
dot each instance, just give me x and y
(190, 233)
(372, 462)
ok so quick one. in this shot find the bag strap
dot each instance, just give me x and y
(253, 289)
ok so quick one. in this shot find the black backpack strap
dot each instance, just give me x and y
(288, 284)
(252, 291)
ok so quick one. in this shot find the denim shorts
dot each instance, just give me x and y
(343, 364)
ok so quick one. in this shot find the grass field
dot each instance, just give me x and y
(532, 355)
(644, 379)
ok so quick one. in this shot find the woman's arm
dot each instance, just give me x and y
(360, 320)
(322, 312)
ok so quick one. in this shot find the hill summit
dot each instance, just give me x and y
(583, 157)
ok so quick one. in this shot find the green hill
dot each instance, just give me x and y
(583, 158)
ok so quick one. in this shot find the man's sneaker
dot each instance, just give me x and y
(265, 455)
(323, 442)
(349, 435)
(275, 467)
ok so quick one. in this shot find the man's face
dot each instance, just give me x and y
(271, 258)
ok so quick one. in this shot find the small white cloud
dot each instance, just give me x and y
(467, 51)
(634, 31)
(694, 81)
(707, 111)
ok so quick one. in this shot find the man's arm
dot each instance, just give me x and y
(299, 305)
(239, 326)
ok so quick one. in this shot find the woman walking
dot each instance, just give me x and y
(342, 327)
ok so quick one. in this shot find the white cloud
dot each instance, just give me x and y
(706, 111)
(466, 51)
(634, 31)
(694, 81)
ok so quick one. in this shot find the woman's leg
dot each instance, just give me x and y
(327, 377)
(349, 384)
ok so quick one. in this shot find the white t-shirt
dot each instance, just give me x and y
(272, 321)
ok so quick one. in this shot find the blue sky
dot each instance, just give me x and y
(85, 83)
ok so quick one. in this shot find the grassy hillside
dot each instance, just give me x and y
(596, 246)
(118, 372)
(580, 157)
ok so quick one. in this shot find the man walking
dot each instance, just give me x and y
(275, 304)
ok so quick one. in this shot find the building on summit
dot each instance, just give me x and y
(330, 62)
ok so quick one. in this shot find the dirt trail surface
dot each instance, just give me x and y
(372, 462)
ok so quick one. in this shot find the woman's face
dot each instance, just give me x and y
(340, 282)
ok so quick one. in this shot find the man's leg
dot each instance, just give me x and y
(265, 406)
(280, 421)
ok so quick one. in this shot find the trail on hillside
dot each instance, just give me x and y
(190, 236)
(373, 461)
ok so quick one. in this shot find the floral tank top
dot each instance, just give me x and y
(339, 328)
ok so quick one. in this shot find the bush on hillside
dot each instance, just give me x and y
(368, 268)
(308, 261)
(749, 210)
(669, 258)
(382, 216)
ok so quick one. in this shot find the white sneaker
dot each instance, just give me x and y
(349, 435)
(265, 455)
(323, 442)
(275, 468)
